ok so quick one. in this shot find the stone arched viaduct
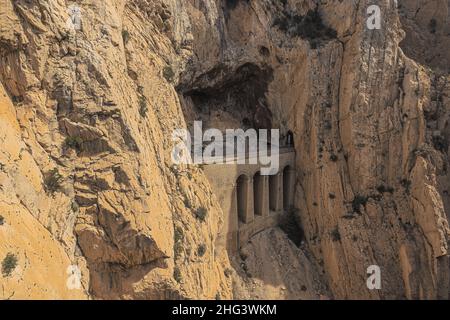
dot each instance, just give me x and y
(251, 202)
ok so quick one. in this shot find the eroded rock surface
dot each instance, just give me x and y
(88, 110)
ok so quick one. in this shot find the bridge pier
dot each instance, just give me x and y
(245, 206)
(276, 192)
(251, 202)
(261, 195)
(265, 197)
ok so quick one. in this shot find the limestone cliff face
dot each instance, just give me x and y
(88, 111)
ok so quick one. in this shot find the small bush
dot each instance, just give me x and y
(53, 181)
(9, 264)
(178, 249)
(308, 27)
(178, 234)
(177, 274)
(433, 25)
(201, 214)
(168, 74)
(357, 202)
(384, 189)
(143, 108)
(75, 206)
(125, 36)
(334, 158)
(201, 250)
(440, 143)
(335, 235)
(2, 220)
(187, 203)
(228, 272)
(75, 143)
(406, 184)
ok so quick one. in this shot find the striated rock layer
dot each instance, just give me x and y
(88, 107)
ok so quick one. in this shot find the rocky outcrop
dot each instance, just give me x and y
(92, 95)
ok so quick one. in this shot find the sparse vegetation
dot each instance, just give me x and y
(2, 220)
(177, 274)
(308, 27)
(334, 158)
(53, 181)
(201, 250)
(359, 201)
(178, 237)
(440, 143)
(143, 108)
(178, 249)
(433, 26)
(75, 206)
(125, 36)
(9, 263)
(168, 74)
(335, 235)
(201, 214)
(75, 143)
(406, 184)
(383, 189)
(178, 234)
(228, 272)
(187, 203)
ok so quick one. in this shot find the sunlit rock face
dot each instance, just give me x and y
(91, 93)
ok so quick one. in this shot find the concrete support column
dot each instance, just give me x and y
(265, 196)
(250, 202)
(244, 194)
(261, 194)
(280, 192)
(276, 192)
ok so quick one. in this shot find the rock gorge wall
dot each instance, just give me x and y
(368, 109)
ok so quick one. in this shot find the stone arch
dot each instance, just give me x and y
(288, 187)
(242, 194)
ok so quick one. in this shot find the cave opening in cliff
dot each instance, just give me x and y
(227, 98)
